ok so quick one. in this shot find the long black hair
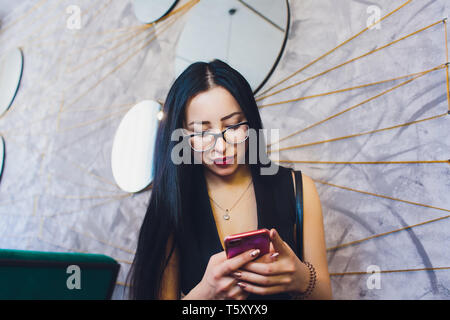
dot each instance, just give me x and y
(169, 195)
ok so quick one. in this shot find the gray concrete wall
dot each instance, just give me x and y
(58, 193)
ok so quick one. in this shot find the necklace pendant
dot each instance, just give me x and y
(226, 216)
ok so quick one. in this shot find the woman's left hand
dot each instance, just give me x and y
(274, 273)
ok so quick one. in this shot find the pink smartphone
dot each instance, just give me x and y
(237, 243)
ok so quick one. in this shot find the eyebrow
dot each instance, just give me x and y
(224, 118)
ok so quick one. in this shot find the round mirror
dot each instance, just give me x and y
(132, 151)
(149, 11)
(10, 74)
(2, 155)
(249, 35)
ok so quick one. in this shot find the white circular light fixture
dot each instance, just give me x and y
(133, 147)
(249, 35)
(11, 67)
(149, 11)
(2, 155)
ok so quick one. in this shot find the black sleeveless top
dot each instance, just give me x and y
(199, 237)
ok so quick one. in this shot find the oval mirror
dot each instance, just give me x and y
(2, 155)
(149, 11)
(249, 35)
(11, 66)
(132, 150)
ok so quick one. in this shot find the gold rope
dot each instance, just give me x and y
(99, 178)
(140, 30)
(341, 90)
(334, 49)
(101, 241)
(446, 65)
(387, 271)
(182, 9)
(96, 108)
(113, 59)
(97, 13)
(27, 13)
(108, 62)
(52, 174)
(191, 4)
(96, 84)
(39, 18)
(358, 105)
(44, 16)
(7, 203)
(381, 196)
(385, 233)
(128, 30)
(89, 197)
(134, 35)
(357, 134)
(61, 106)
(79, 210)
(351, 60)
(96, 45)
(49, 21)
(83, 124)
(365, 162)
(30, 123)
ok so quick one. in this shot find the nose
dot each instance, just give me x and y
(220, 146)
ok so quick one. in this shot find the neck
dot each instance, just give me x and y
(241, 176)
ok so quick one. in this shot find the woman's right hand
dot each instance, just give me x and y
(218, 282)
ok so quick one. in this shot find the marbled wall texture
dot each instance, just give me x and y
(57, 191)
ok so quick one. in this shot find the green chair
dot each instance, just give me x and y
(38, 275)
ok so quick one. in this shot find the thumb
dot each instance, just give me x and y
(278, 243)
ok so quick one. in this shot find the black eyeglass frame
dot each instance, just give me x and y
(217, 135)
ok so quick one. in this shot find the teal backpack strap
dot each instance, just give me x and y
(299, 212)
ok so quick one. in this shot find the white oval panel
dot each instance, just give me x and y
(11, 66)
(149, 11)
(133, 145)
(249, 35)
(2, 155)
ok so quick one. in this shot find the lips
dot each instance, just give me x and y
(223, 161)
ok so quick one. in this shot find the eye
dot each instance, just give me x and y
(232, 125)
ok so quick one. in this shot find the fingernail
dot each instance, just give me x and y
(274, 255)
(255, 253)
(237, 274)
(242, 285)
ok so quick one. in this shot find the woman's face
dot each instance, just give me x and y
(213, 111)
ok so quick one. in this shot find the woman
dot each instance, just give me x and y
(219, 192)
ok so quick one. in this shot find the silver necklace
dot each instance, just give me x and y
(226, 216)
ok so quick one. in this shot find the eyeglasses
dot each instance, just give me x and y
(204, 141)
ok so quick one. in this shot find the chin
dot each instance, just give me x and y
(223, 171)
